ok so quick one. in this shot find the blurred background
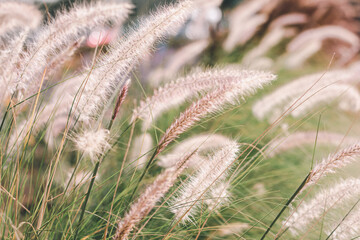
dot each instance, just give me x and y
(260, 34)
(298, 40)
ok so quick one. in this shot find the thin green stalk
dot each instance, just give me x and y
(342, 220)
(316, 138)
(285, 206)
(83, 207)
(5, 115)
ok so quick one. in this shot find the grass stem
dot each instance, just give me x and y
(285, 206)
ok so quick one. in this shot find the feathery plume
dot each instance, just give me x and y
(333, 162)
(218, 196)
(146, 202)
(349, 99)
(200, 143)
(306, 138)
(121, 98)
(189, 197)
(344, 6)
(288, 19)
(297, 57)
(293, 90)
(211, 103)
(62, 57)
(244, 32)
(12, 47)
(125, 54)
(177, 92)
(277, 31)
(321, 203)
(58, 35)
(317, 35)
(142, 146)
(349, 228)
(92, 143)
(239, 19)
(15, 14)
(271, 39)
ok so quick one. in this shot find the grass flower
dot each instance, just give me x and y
(299, 139)
(332, 163)
(57, 92)
(187, 200)
(146, 202)
(112, 69)
(177, 92)
(349, 99)
(349, 228)
(202, 144)
(18, 15)
(92, 143)
(218, 196)
(55, 38)
(290, 92)
(323, 201)
(312, 41)
(212, 102)
(238, 20)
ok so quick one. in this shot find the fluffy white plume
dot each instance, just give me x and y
(297, 57)
(288, 19)
(298, 139)
(290, 92)
(278, 30)
(322, 33)
(202, 144)
(16, 14)
(321, 203)
(349, 99)
(332, 163)
(113, 68)
(243, 20)
(60, 33)
(57, 111)
(208, 3)
(19, 132)
(218, 196)
(92, 143)
(177, 92)
(310, 41)
(244, 31)
(10, 51)
(147, 200)
(349, 228)
(271, 39)
(227, 93)
(188, 199)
